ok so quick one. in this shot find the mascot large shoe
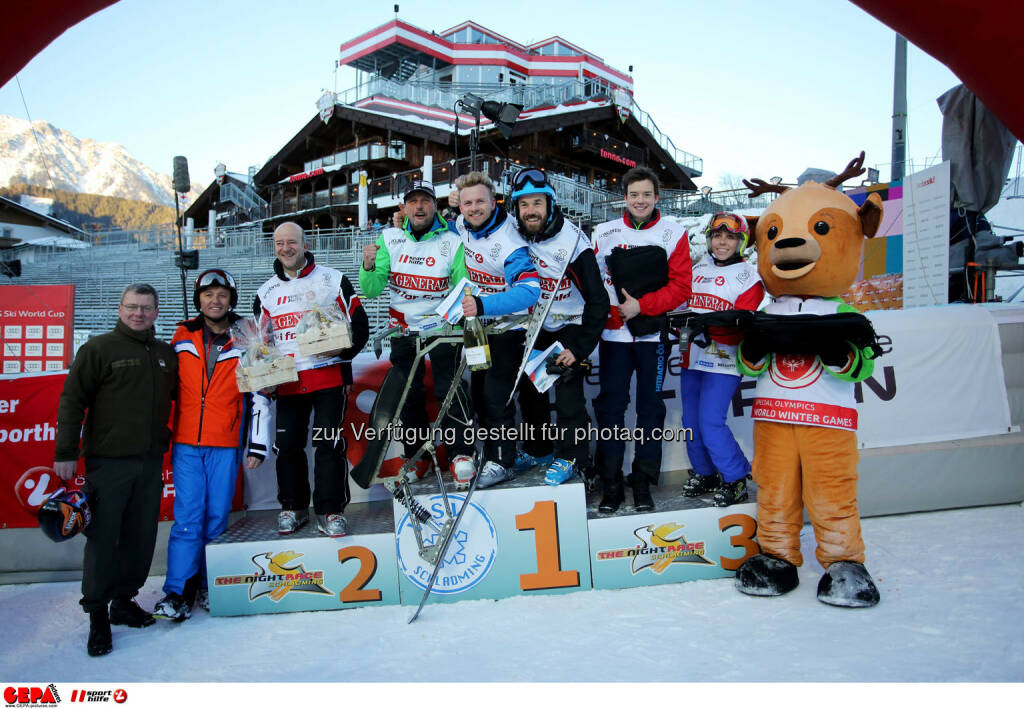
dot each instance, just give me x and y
(807, 349)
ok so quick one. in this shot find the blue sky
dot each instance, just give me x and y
(754, 88)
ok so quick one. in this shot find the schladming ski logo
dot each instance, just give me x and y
(470, 555)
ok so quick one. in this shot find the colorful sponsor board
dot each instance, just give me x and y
(670, 547)
(510, 541)
(36, 327)
(287, 574)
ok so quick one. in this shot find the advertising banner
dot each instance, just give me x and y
(28, 435)
(278, 575)
(940, 378)
(36, 328)
(28, 438)
(670, 547)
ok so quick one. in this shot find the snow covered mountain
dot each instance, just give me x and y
(77, 165)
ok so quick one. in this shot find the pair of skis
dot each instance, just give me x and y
(538, 316)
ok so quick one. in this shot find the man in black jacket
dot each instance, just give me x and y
(122, 383)
(575, 319)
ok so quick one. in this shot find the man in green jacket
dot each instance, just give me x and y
(418, 265)
(122, 384)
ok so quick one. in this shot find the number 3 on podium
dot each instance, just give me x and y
(543, 520)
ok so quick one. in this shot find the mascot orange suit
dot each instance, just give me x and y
(807, 348)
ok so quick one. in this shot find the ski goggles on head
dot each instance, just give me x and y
(732, 223)
(215, 277)
(531, 181)
(530, 175)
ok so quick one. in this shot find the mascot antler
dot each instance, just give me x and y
(759, 187)
(853, 168)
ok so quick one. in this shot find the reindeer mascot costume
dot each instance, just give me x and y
(807, 348)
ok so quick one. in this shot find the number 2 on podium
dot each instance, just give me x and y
(543, 520)
(356, 590)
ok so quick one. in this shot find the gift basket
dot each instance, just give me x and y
(323, 328)
(262, 365)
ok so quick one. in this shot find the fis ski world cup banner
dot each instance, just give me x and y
(36, 328)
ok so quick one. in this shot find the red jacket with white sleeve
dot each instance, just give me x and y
(285, 300)
(671, 237)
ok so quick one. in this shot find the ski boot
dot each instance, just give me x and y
(560, 471)
(524, 461)
(493, 473)
(173, 607)
(731, 493)
(698, 485)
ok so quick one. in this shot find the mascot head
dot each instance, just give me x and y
(810, 239)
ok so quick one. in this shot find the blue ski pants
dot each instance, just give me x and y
(706, 397)
(204, 484)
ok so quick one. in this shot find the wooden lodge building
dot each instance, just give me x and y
(579, 122)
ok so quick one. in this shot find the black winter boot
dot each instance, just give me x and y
(100, 642)
(642, 500)
(610, 472)
(645, 473)
(125, 611)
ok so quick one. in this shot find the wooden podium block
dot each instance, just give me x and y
(684, 539)
(518, 537)
(252, 569)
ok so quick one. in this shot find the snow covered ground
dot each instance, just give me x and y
(952, 610)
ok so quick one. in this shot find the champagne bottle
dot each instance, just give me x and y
(478, 350)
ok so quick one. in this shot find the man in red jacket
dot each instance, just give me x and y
(208, 440)
(631, 341)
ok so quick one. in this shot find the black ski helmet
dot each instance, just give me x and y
(64, 514)
(214, 277)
